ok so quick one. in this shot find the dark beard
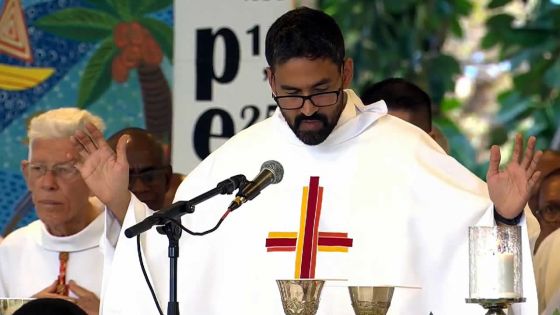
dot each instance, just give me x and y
(313, 137)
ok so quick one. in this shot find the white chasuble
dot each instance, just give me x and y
(377, 203)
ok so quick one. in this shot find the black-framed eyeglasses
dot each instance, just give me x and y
(550, 213)
(148, 176)
(322, 99)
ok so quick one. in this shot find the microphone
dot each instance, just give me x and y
(271, 173)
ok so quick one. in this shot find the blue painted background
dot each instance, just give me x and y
(120, 107)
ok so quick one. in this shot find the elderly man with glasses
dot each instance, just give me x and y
(57, 256)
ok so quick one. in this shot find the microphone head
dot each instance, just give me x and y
(275, 168)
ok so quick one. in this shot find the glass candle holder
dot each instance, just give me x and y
(495, 262)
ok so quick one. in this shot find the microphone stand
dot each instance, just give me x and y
(173, 231)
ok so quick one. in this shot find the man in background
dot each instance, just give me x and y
(149, 171)
(408, 102)
(57, 256)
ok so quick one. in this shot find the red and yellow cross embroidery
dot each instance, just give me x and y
(310, 240)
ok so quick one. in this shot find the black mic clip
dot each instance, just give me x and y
(232, 183)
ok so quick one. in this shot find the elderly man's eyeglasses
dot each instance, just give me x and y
(148, 176)
(63, 171)
(550, 213)
(322, 99)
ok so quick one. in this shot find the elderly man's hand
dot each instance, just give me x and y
(86, 300)
(50, 293)
(105, 172)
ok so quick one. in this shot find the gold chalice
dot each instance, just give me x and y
(300, 296)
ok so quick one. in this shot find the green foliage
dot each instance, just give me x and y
(497, 3)
(497, 24)
(128, 10)
(79, 24)
(533, 50)
(97, 74)
(119, 8)
(450, 104)
(514, 105)
(142, 7)
(442, 70)
(461, 148)
(104, 5)
(122, 8)
(388, 38)
(556, 312)
(405, 38)
(551, 77)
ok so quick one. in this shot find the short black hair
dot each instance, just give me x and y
(400, 94)
(304, 32)
(50, 306)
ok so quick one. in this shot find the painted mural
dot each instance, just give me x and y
(112, 57)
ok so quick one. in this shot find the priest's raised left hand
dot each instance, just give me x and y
(510, 188)
(104, 171)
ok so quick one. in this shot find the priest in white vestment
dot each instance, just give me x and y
(59, 255)
(365, 199)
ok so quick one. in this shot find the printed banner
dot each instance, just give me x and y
(220, 84)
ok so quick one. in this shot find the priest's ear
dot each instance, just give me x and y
(269, 74)
(347, 73)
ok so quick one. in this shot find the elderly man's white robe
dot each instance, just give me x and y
(390, 207)
(29, 259)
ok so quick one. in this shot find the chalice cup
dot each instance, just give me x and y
(300, 296)
(371, 300)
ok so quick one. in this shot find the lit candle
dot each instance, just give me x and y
(494, 276)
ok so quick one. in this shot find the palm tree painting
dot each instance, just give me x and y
(128, 38)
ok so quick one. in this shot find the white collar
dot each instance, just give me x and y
(354, 119)
(87, 238)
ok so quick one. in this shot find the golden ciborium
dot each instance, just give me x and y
(371, 300)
